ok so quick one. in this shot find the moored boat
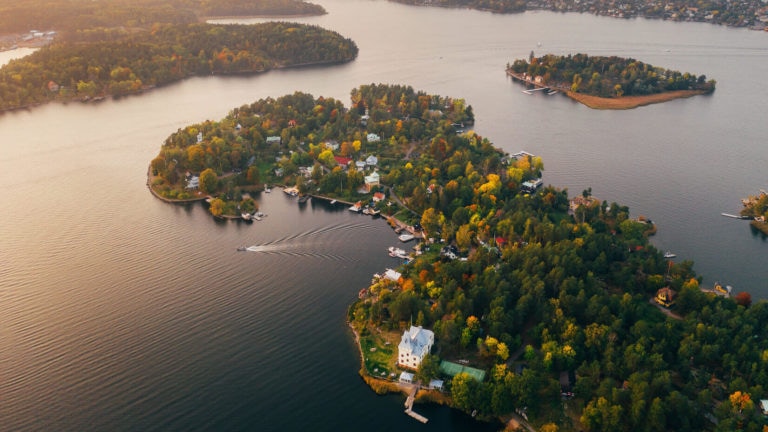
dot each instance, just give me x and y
(669, 254)
(405, 237)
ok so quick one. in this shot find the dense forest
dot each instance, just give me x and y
(166, 54)
(607, 76)
(69, 16)
(538, 291)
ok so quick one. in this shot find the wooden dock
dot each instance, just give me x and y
(409, 406)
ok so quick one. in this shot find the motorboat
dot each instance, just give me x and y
(405, 237)
(669, 254)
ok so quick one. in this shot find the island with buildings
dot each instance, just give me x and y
(756, 209)
(606, 82)
(518, 302)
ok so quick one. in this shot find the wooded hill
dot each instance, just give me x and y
(542, 291)
(168, 53)
(607, 76)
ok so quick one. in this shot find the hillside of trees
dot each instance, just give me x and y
(539, 291)
(607, 76)
(68, 16)
(65, 71)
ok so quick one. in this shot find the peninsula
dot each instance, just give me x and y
(607, 82)
(67, 71)
(521, 301)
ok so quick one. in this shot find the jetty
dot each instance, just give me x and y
(409, 406)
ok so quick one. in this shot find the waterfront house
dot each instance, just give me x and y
(665, 297)
(414, 346)
(406, 377)
(530, 186)
(579, 201)
(372, 181)
(436, 384)
(392, 275)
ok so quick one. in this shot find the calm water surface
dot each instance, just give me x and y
(120, 312)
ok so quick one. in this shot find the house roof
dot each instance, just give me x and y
(416, 341)
(341, 160)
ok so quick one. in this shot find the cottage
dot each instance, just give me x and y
(332, 145)
(764, 406)
(371, 161)
(193, 182)
(414, 346)
(436, 384)
(530, 186)
(360, 165)
(406, 377)
(579, 201)
(665, 297)
(378, 196)
(274, 140)
(343, 161)
(372, 137)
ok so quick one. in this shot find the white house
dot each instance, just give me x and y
(193, 182)
(414, 346)
(372, 137)
(371, 161)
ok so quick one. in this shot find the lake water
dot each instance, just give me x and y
(120, 312)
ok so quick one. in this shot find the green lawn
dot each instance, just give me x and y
(379, 356)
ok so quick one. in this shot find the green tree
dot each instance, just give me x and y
(208, 181)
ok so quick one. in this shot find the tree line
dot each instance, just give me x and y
(166, 54)
(69, 16)
(607, 76)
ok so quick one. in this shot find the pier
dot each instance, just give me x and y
(409, 406)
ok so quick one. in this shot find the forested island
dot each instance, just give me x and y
(751, 13)
(608, 82)
(168, 53)
(756, 208)
(549, 295)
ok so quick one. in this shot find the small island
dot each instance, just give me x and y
(519, 304)
(756, 209)
(607, 82)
